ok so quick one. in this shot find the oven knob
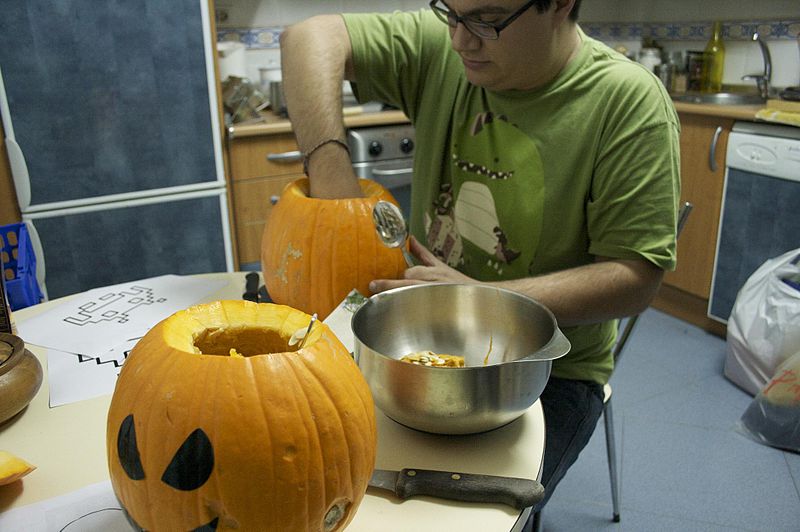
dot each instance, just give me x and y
(375, 148)
(406, 145)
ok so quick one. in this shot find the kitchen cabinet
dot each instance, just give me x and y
(260, 167)
(685, 291)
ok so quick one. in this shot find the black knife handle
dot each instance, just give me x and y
(251, 287)
(518, 493)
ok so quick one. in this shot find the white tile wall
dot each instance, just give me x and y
(741, 57)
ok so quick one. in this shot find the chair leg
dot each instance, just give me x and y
(611, 450)
(537, 522)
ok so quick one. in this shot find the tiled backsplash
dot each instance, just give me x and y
(693, 31)
(770, 30)
(742, 56)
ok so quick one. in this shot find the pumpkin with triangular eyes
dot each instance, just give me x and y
(216, 423)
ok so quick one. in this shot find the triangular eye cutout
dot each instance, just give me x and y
(192, 464)
(128, 450)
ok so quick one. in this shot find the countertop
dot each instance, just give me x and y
(275, 124)
(738, 112)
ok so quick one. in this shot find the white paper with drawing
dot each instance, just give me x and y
(99, 320)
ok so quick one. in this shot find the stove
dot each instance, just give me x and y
(385, 154)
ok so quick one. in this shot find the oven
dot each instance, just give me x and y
(385, 154)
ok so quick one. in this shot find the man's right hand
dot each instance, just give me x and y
(316, 58)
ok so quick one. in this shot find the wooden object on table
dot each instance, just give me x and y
(20, 376)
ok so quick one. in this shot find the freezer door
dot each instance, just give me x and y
(108, 98)
(100, 247)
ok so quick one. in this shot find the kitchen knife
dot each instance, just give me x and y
(519, 493)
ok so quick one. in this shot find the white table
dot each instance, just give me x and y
(67, 444)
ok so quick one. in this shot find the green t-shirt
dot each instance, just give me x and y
(514, 184)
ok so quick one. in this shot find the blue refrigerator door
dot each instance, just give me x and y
(108, 98)
(86, 248)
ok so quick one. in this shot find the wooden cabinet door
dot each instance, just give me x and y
(252, 201)
(261, 166)
(703, 142)
(261, 156)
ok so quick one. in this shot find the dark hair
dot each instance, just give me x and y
(544, 5)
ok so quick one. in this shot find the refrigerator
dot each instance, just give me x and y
(113, 137)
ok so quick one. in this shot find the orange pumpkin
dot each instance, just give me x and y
(315, 251)
(215, 421)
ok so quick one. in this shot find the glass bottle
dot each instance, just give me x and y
(713, 60)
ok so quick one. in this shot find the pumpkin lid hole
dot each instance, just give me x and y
(244, 341)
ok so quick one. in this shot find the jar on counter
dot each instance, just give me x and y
(694, 70)
(650, 58)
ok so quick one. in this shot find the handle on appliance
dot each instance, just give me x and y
(285, 157)
(16, 159)
(712, 152)
(397, 171)
(19, 173)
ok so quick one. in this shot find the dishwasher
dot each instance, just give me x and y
(760, 216)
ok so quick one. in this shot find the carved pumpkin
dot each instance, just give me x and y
(315, 251)
(216, 422)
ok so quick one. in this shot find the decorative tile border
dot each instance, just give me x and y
(693, 31)
(267, 37)
(253, 38)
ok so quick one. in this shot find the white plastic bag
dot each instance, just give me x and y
(773, 418)
(764, 327)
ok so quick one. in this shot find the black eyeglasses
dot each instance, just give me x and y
(478, 28)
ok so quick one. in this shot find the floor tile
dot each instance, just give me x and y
(793, 461)
(706, 475)
(713, 402)
(683, 465)
(571, 516)
(664, 354)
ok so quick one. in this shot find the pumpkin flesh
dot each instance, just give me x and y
(292, 432)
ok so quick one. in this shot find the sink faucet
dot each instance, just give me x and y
(762, 80)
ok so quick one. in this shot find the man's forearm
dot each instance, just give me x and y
(314, 58)
(595, 292)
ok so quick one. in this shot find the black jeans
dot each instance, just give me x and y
(571, 410)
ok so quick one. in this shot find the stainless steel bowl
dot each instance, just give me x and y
(456, 319)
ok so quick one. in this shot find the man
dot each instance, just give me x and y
(546, 163)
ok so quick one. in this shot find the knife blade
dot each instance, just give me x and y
(518, 493)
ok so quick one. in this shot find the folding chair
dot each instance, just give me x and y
(608, 418)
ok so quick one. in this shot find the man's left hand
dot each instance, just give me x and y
(429, 270)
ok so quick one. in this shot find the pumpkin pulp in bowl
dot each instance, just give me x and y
(216, 420)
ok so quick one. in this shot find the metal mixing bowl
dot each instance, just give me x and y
(456, 319)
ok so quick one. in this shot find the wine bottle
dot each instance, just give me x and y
(713, 60)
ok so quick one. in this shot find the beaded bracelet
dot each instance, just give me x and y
(310, 152)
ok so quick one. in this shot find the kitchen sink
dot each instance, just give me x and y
(720, 98)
